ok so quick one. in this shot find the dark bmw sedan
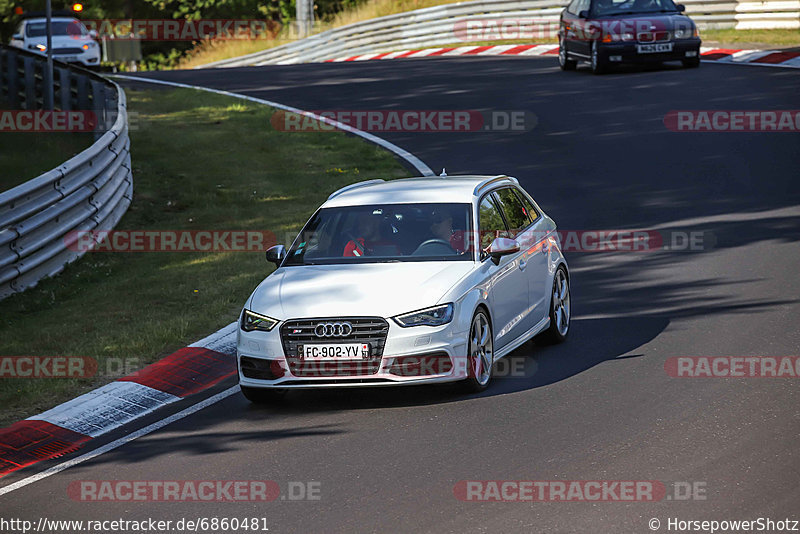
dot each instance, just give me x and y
(608, 32)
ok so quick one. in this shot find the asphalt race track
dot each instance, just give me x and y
(600, 406)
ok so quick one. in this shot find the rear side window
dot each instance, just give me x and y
(490, 222)
(532, 213)
(515, 212)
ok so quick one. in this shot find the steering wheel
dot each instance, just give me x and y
(438, 246)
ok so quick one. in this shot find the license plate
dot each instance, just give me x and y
(654, 48)
(67, 59)
(340, 351)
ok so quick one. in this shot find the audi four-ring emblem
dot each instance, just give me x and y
(333, 329)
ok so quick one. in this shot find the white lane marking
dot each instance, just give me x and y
(106, 408)
(413, 160)
(223, 340)
(121, 441)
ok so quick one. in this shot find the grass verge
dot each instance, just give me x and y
(201, 162)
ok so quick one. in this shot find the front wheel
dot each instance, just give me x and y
(598, 63)
(559, 309)
(480, 355)
(564, 62)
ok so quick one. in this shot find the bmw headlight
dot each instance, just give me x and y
(436, 316)
(255, 321)
(686, 33)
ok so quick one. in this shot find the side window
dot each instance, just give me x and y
(490, 222)
(532, 213)
(516, 215)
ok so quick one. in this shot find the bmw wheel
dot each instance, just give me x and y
(563, 61)
(598, 63)
(480, 355)
(560, 309)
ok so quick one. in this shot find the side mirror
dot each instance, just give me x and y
(93, 34)
(276, 254)
(680, 7)
(502, 246)
(583, 14)
(17, 37)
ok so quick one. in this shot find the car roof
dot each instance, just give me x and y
(419, 190)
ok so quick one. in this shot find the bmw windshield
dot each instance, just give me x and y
(384, 233)
(604, 8)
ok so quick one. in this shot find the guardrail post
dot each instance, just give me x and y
(83, 92)
(64, 89)
(30, 83)
(11, 75)
(99, 107)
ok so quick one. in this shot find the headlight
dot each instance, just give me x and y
(87, 46)
(615, 37)
(436, 316)
(685, 33)
(255, 321)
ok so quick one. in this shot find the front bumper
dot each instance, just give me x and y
(627, 52)
(89, 58)
(415, 355)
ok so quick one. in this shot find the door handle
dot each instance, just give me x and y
(522, 265)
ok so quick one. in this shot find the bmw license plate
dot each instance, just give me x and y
(339, 351)
(654, 48)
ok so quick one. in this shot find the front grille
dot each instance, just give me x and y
(653, 37)
(67, 50)
(371, 330)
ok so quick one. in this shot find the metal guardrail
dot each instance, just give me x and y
(436, 26)
(91, 191)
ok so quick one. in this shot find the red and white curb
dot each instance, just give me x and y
(69, 426)
(776, 58)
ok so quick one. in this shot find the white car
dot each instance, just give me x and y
(418, 280)
(72, 42)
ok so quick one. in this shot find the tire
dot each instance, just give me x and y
(480, 353)
(560, 310)
(598, 63)
(691, 63)
(563, 62)
(262, 395)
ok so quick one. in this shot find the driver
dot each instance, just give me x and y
(442, 228)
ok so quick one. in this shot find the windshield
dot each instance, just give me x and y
(625, 7)
(60, 27)
(384, 233)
